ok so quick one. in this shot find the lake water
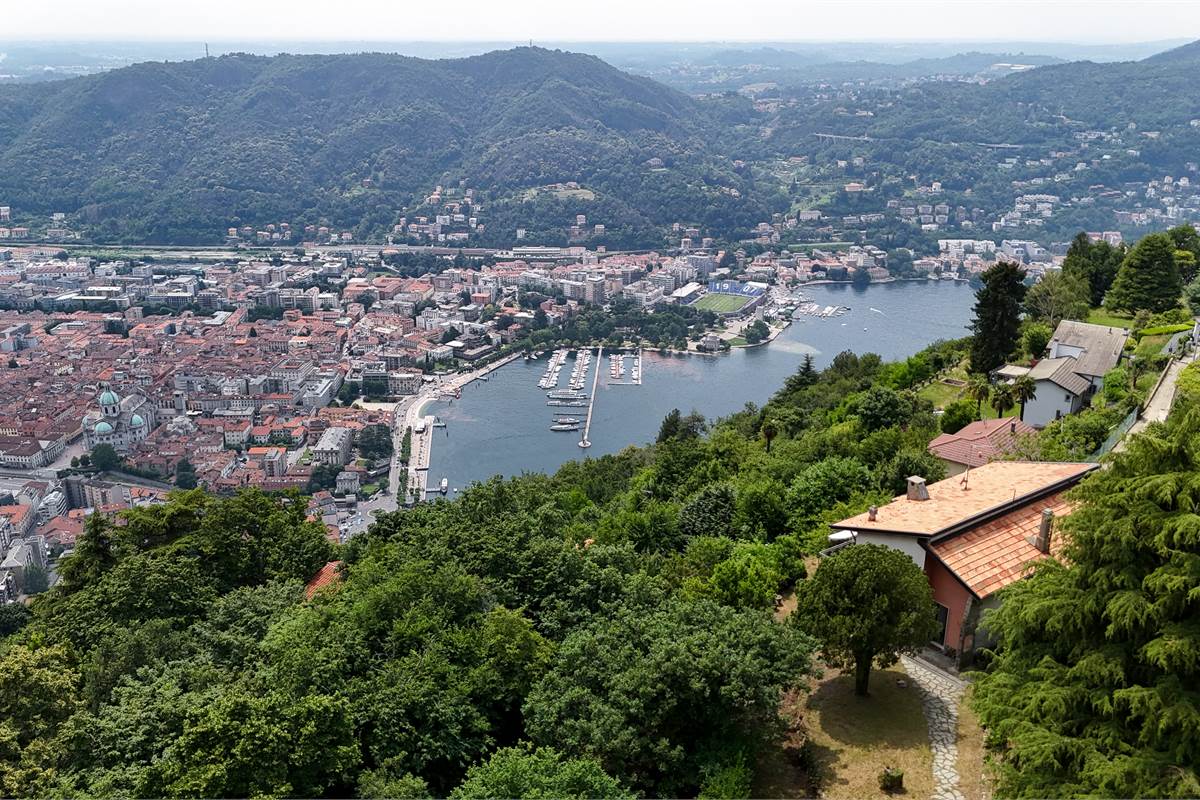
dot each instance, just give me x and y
(501, 426)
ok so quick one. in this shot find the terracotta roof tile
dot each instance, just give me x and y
(993, 555)
(959, 499)
(329, 574)
(981, 441)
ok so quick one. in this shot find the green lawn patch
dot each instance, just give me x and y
(720, 303)
(1150, 346)
(1100, 316)
(940, 394)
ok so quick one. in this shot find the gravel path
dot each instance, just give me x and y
(940, 693)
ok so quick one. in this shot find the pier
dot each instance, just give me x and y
(587, 424)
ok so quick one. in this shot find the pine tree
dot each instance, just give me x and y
(1095, 689)
(1149, 277)
(1096, 262)
(997, 322)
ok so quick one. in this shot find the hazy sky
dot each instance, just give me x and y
(604, 20)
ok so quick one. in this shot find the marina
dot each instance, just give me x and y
(810, 309)
(617, 371)
(500, 427)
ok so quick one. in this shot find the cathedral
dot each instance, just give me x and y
(120, 421)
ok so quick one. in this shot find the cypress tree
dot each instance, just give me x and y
(1095, 690)
(997, 322)
(1148, 278)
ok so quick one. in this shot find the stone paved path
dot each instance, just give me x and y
(940, 693)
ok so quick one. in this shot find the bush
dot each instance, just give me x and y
(1187, 388)
(729, 782)
(1035, 338)
(1159, 330)
(891, 779)
(957, 415)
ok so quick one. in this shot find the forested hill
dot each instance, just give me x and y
(1041, 106)
(1188, 53)
(178, 151)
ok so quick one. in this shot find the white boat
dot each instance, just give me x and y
(444, 485)
(565, 427)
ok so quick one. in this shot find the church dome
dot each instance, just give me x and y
(109, 398)
(103, 428)
(137, 421)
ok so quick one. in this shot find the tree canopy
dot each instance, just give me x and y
(1149, 278)
(997, 321)
(867, 604)
(1093, 687)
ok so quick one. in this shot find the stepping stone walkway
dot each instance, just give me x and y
(940, 693)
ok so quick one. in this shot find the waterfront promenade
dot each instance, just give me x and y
(422, 445)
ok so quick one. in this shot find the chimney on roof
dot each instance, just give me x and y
(1012, 426)
(871, 512)
(916, 488)
(1042, 540)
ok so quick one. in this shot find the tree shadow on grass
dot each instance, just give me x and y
(890, 717)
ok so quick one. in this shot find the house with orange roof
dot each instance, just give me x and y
(329, 575)
(978, 443)
(972, 535)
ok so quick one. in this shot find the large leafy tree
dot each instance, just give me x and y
(652, 691)
(1058, 296)
(529, 772)
(997, 323)
(1149, 278)
(105, 457)
(867, 604)
(1095, 689)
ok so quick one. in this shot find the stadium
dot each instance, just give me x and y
(730, 298)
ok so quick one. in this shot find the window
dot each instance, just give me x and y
(1069, 396)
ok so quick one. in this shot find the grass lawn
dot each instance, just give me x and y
(1099, 316)
(972, 769)
(854, 738)
(1151, 345)
(720, 303)
(940, 394)
(738, 341)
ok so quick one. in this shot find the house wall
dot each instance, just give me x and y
(906, 544)
(1049, 399)
(953, 468)
(1059, 350)
(948, 592)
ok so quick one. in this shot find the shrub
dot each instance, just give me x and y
(891, 779)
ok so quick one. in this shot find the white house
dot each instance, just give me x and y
(1095, 348)
(1060, 390)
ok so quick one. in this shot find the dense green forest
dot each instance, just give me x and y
(177, 152)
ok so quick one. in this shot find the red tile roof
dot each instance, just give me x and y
(980, 442)
(328, 575)
(955, 501)
(993, 555)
